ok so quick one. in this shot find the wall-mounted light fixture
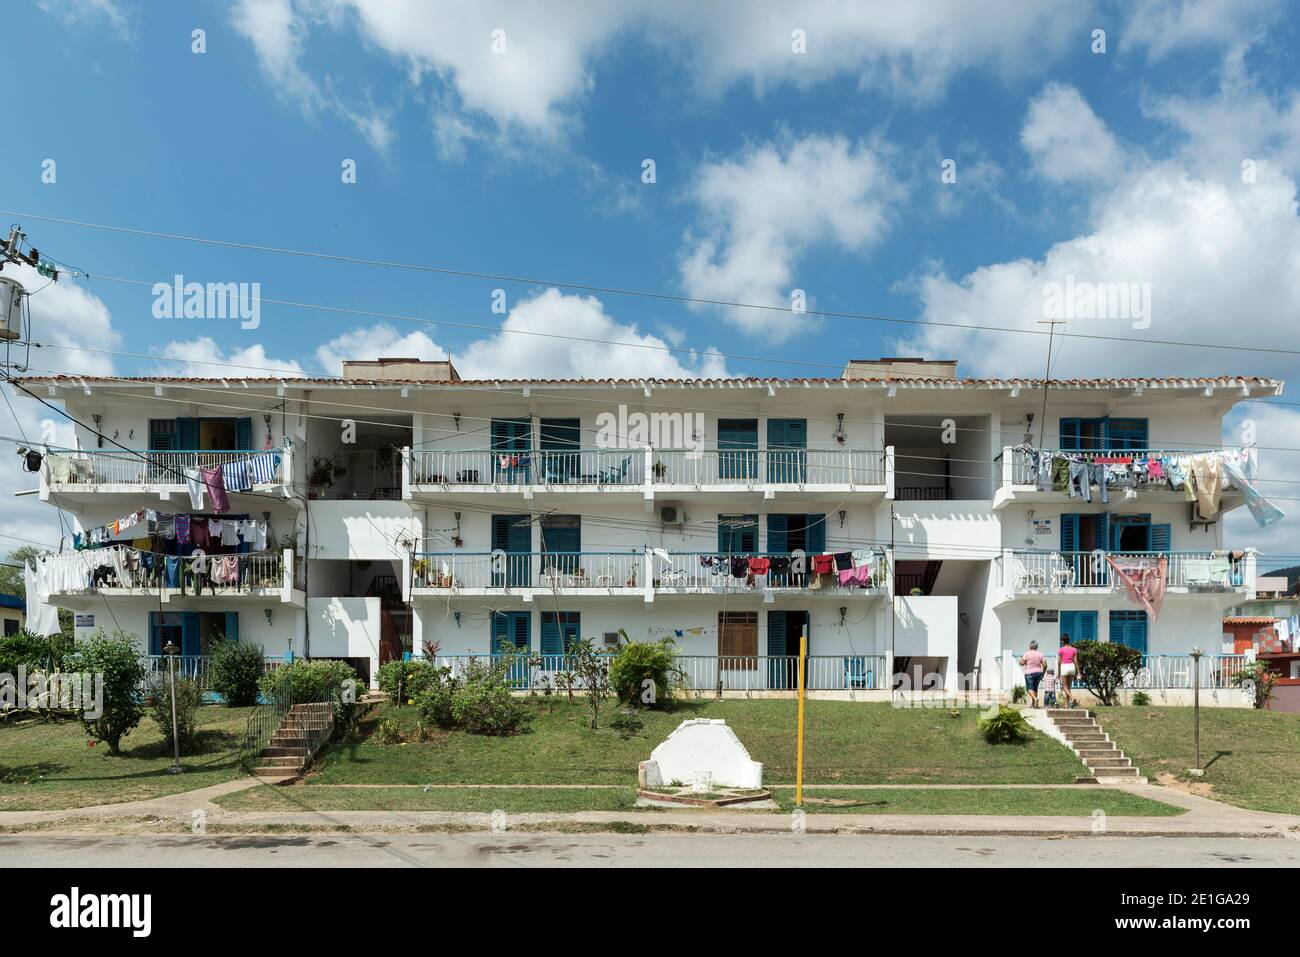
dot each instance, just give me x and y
(456, 417)
(844, 513)
(99, 431)
(1031, 611)
(839, 434)
(270, 613)
(844, 614)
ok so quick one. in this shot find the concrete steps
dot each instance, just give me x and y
(1105, 762)
(302, 732)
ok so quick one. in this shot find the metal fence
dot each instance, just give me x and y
(666, 467)
(145, 466)
(1157, 672)
(705, 673)
(1053, 571)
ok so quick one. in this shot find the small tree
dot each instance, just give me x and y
(1108, 666)
(188, 698)
(117, 659)
(1259, 678)
(592, 669)
(645, 673)
(234, 670)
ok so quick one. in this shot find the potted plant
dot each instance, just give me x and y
(324, 471)
(660, 470)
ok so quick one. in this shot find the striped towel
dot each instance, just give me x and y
(235, 476)
(264, 467)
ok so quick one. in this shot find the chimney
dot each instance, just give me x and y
(410, 370)
(895, 368)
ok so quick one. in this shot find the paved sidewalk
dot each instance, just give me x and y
(1204, 818)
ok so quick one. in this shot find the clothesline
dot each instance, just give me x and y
(184, 528)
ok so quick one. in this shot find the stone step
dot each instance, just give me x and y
(286, 761)
(275, 775)
(1104, 774)
(1069, 713)
(1088, 735)
(1108, 765)
(280, 752)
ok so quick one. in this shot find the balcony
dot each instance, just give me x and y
(633, 573)
(643, 473)
(83, 579)
(1029, 573)
(74, 476)
(1020, 481)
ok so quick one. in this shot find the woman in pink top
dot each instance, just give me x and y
(1033, 663)
(1069, 669)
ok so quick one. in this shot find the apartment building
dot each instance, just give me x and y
(906, 520)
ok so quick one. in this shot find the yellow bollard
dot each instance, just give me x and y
(798, 772)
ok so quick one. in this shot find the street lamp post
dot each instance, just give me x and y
(170, 651)
(1196, 709)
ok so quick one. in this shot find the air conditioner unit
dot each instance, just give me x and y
(670, 515)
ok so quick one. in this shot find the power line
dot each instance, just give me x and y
(615, 290)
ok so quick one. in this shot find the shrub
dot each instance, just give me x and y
(645, 673)
(1259, 678)
(188, 698)
(434, 702)
(46, 653)
(117, 658)
(1018, 694)
(322, 680)
(234, 672)
(403, 681)
(1004, 726)
(487, 707)
(1106, 666)
(387, 731)
(1141, 699)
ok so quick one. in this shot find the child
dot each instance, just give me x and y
(1049, 689)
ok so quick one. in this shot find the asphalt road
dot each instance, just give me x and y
(652, 850)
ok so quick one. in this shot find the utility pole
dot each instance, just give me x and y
(1199, 770)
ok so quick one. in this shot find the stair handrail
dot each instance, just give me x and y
(263, 722)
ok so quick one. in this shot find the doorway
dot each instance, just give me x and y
(783, 631)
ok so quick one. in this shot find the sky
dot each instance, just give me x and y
(940, 164)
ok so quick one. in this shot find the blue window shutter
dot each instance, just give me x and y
(162, 434)
(155, 633)
(787, 433)
(560, 433)
(187, 434)
(1087, 626)
(815, 533)
(1105, 533)
(1129, 628)
(1070, 533)
(521, 627)
(1103, 433)
(1160, 537)
(737, 534)
(776, 633)
(737, 438)
(1069, 433)
(232, 626)
(511, 533)
(778, 534)
(551, 644)
(1127, 434)
(243, 433)
(191, 640)
(500, 628)
(571, 625)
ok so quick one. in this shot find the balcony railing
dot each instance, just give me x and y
(630, 570)
(1026, 571)
(707, 673)
(98, 570)
(1018, 465)
(666, 467)
(154, 467)
(1157, 672)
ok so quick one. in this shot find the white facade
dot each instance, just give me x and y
(599, 518)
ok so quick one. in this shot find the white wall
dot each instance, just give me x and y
(345, 628)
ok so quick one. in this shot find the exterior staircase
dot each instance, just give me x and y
(1105, 762)
(304, 730)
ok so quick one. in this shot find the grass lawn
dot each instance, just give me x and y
(1252, 758)
(1053, 802)
(846, 742)
(49, 766)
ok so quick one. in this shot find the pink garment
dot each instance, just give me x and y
(1155, 470)
(227, 570)
(1034, 661)
(1144, 580)
(861, 576)
(1068, 654)
(216, 488)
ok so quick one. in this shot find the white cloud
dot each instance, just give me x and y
(537, 83)
(203, 357)
(277, 30)
(764, 209)
(622, 351)
(1163, 26)
(77, 11)
(375, 342)
(1276, 429)
(1066, 140)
